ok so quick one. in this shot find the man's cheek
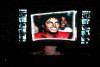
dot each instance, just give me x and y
(49, 26)
(58, 26)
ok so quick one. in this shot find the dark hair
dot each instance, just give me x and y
(46, 17)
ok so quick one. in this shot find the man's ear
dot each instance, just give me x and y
(43, 26)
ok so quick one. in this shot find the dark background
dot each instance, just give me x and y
(15, 53)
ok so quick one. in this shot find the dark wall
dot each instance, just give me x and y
(12, 49)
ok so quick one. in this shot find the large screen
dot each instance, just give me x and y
(59, 25)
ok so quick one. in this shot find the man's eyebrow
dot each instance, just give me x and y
(49, 21)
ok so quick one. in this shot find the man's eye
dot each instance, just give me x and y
(49, 22)
(57, 22)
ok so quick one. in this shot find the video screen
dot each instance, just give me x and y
(60, 25)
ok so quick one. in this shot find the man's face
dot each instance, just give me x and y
(63, 22)
(52, 25)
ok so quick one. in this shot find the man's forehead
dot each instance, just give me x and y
(53, 19)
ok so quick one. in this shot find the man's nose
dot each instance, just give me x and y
(54, 24)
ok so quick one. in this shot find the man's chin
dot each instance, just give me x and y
(52, 32)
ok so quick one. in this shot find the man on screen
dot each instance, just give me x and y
(51, 24)
(64, 25)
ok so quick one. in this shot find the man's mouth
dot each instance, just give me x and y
(62, 24)
(53, 28)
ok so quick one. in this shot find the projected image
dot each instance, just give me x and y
(48, 50)
(54, 25)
